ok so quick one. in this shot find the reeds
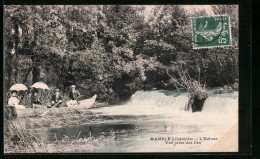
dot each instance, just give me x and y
(21, 135)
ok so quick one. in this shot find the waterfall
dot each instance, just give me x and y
(221, 103)
(175, 101)
(170, 102)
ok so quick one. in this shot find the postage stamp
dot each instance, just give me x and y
(212, 31)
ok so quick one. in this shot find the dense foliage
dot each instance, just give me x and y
(112, 50)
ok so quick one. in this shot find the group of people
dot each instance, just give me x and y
(56, 99)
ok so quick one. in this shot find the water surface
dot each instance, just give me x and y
(155, 121)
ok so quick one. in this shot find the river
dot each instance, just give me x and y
(155, 121)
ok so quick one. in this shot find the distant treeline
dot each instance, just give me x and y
(112, 50)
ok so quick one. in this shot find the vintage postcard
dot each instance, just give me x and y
(121, 78)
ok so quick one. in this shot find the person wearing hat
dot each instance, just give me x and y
(36, 99)
(73, 95)
(12, 105)
(14, 101)
(56, 99)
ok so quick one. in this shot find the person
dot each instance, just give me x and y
(14, 101)
(56, 99)
(35, 99)
(12, 105)
(73, 96)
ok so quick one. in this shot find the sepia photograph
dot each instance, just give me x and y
(120, 78)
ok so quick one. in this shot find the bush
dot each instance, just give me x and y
(198, 93)
(227, 88)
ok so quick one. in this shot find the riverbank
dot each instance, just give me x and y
(64, 118)
(22, 134)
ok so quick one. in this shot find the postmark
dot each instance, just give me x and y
(213, 31)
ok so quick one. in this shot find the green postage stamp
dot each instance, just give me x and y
(213, 31)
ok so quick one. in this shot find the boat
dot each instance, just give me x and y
(39, 110)
(86, 103)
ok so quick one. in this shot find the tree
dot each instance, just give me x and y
(34, 34)
(111, 48)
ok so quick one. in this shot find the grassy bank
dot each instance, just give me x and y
(21, 135)
(68, 119)
(27, 141)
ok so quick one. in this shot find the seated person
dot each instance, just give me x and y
(14, 101)
(35, 99)
(73, 95)
(56, 99)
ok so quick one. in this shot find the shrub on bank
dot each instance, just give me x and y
(198, 95)
(227, 88)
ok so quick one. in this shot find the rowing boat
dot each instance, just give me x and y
(83, 104)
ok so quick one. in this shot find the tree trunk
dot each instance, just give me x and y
(14, 59)
(26, 75)
(199, 74)
(36, 74)
(70, 77)
(14, 70)
(8, 70)
(36, 71)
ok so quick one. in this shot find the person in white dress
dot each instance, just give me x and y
(14, 101)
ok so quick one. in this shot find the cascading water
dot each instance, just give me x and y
(162, 101)
(221, 103)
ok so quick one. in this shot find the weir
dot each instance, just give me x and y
(158, 102)
(176, 101)
(221, 103)
(168, 100)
